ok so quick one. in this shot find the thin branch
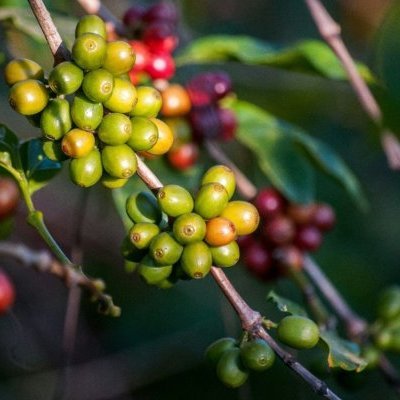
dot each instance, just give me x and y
(96, 7)
(42, 261)
(355, 326)
(331, 33)
(244, 186)
(57, 47)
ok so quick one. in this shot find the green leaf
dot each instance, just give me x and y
(39, 170)
(308, 56)
(6, 227)
(277, 154)
(388, 51)
(24, 21)
(342, 353)
(279, 148)
(8, 148)
(331, 164)
(286, 305)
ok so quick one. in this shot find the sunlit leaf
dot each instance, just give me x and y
(343, 353)
(286, 305)
(308, 56)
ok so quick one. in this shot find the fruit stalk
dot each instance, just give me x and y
(330, 31)
(42, 261)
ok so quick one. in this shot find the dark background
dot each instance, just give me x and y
(155, 350)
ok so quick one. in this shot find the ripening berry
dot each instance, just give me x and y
(7, 293)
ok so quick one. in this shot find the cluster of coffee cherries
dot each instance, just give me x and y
(287, 230)
(194, 114)
(88, 109)
(387, 327)
(194, 234)
(234, 360)
(154, 30)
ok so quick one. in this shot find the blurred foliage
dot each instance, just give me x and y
(155, 349)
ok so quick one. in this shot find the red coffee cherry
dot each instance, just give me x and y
(183, 156)
(258, 260)
(7, 292)
(269, 203)
(308, 238)
(164, 11)
(324, 217)
(142, 55)
(301, 213)
(280, 230)
(288, 257)
(160, 37)
(9, 196)
(161, 66)
(228, 123)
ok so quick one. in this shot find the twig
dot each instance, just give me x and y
(57, 48)
(96, 7)
(252, 322)
(331, 33)
(244, 186)
(355, 326)
(42, 261)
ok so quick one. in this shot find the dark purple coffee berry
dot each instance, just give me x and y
(205, 122)
(269, 203)
(279, 230)
(308, 238)
(324, 217)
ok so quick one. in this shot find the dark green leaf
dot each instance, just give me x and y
(6, 227)
(278, 155)
(388, 52)
(330, 163)
(39, 170)
(8, 147)
(24, 21)
(286, 305)
(284, 163)
(342, 353)
(308, 56)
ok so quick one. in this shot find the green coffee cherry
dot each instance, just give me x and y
(151, 273)
(196, 260)
(298, 332)
(257, 355)
(89, 51)
(113, 183)
(119, 161)
(165, 284)
(91, 24)
(225, 256)
(389, 303)
(55, 120)
(210, 200)
(223, 175)
(86, 171)
(119, 57)
(85, 113)
(65, 78)
(144, 134)
(28, 97)
(149, 102)
(123, 97)
(165, 250)
(143, 233)
(230, 369)
(98, 85)
(371, 355)
(143, 207)
(22, 69)
(115, 129)
(189, 228)
(175, 200)
(216, 349)
(52, 150)
(130, 252)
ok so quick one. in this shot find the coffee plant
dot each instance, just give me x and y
(123, 107)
